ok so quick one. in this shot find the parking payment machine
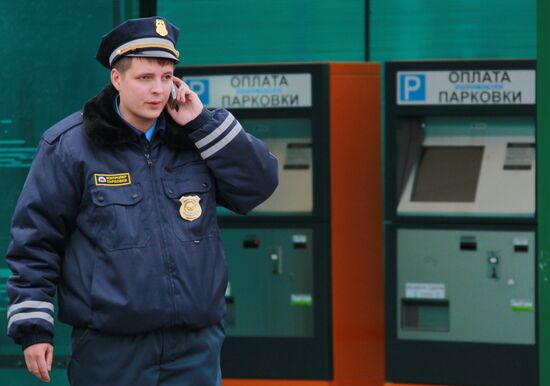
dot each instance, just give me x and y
(304, 299)
(460, 214)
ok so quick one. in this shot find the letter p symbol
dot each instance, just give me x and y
(201, 87)
(412, 87)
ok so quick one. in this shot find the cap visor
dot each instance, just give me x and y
(154, 54)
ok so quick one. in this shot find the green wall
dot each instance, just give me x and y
(48, 71)
(244, 31)
(444, 29)
(247, 31)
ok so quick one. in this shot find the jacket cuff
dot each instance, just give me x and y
(35, 338)
(199, 121)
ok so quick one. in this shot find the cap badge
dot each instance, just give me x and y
(161, 27)
(190, 209)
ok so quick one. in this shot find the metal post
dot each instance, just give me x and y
(543, 186)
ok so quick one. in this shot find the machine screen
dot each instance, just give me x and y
(288, 139)
(448, 174)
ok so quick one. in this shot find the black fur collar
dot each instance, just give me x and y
(105, 127)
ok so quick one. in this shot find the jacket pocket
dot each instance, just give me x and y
(192, 204)
(120, 216)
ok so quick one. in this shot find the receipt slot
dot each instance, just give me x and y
(460, 223)
(305, 294)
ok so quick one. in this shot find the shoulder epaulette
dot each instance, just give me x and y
(61, 127)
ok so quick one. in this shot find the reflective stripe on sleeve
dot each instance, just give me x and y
(216, 133)
(220, 145)
(29, 304)
(29, 315)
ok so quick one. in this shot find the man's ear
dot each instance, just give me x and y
(115, 78)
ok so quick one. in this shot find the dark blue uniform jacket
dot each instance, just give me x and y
(99, 219)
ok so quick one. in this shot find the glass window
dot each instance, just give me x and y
(448, 174)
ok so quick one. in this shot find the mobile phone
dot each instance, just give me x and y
(172, 98)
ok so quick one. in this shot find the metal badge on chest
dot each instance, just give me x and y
(190, 209)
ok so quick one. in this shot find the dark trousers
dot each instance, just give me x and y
(164, 357)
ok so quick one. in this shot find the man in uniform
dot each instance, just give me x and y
(118, 215)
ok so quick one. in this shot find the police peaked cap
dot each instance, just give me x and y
(145, 37)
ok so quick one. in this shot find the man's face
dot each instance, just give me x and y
(144, 89)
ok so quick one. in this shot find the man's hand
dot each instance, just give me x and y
(38, 358)
(190, 106)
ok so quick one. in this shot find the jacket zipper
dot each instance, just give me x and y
(167, 262)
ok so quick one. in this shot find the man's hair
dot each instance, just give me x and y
(125, 62)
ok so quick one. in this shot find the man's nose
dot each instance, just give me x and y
(157, 86)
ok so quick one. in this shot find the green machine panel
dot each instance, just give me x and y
(270, 293)
(459, 285)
